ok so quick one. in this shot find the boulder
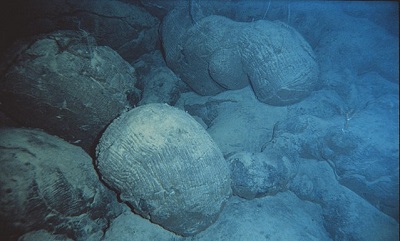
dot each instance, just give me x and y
(256, 175)
(63, 84)
(49, 184)
(204, 55)
(281, 65)
(158, 83)
(125, 27)
(216, 54)
(166, 167)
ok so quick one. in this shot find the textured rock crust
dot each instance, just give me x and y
(42, 235)
(158, 82)
(256, 175)
(204, 55)
(216, 54)
(280, 64)
(166, 167)
(126, 28)
(46, 183)
(63, 84)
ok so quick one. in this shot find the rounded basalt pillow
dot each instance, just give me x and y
(166, 167)
(205, 55)
(63, 83)
(257, 175)
(281, 65)
(48, 184)
(217, 54)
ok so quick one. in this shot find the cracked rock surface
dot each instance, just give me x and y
(216, 54)
(126, 28)
(63, 84)
(164, 165)
(49, 184)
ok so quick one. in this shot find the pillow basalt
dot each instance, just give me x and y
(66, 86)
(166, 167)
(280, 64)
(217, 54)
(49, 184)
